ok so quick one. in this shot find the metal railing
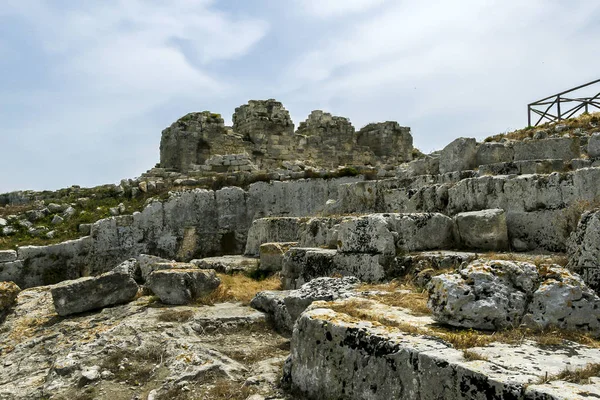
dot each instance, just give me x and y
(555, 110)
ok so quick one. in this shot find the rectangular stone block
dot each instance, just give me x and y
(7, 256)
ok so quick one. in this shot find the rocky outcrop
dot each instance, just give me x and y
(8, 296)
(498, 295)
(284, 307)
(483, 230)
(86, 294)
(182, 286)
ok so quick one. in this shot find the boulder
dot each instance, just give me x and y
(132, 268)
(86, 294)
(227, 264)
(593, 147)
(483, 230)
(182, 286)
(460, 155)
(484, 295)
(284, 307)
(563, 301)
(271, 255)
(301, 265)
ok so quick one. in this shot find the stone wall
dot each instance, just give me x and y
(190, 224)
(264, 131)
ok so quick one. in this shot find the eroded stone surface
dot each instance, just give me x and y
(228, 264)
(483, 230)
(85, 294)
(284, 307)
(182, 286)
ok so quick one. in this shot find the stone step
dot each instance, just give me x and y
(385, 355)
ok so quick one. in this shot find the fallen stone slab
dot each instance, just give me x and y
(335, 355)
(284, 307)
(228, 264)
(182, 286)
(147, 264)
(483, 230)
(87, 294)
(271, 255)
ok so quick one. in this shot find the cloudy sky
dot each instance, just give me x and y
(86, 87)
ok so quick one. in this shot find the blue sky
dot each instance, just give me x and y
(87, 87)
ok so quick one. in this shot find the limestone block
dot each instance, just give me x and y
(182, 286)
(494, 153)
(266, 230)
(228, 264)
(86, 294)
(459, 155)
(284, 307)
(271, 255)
(484, 295)
(563, 301)
(554, 148)
(583, 249)
(593, 147)
(483, 230)
(7, 256)
(389, 234)
(301, 265)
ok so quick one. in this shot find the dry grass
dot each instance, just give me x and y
(239, 287)
(588, 122)
(461, 339)
(538, 260)
(175, 315)
(579, 376)
(470, 355)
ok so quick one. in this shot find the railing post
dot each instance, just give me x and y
(528, 115)
(558, 107)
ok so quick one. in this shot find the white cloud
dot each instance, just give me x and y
(336, 8)
(411, 61)
(112, 64)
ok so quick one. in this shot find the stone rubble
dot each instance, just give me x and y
(182, 286)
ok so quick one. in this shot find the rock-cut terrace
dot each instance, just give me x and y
(263, 261)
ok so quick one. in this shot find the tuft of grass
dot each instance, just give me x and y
(171, 315)
(537, 259)
(240, 288)
(134, 366)
(579, 376)
(570, 216)
(470, 355)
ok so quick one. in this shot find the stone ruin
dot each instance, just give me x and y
(432, 279)
(263, 137)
